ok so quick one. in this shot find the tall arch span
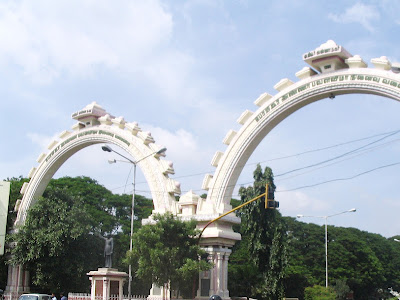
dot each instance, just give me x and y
(333, 72)
(96, 126)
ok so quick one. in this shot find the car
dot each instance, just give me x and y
(34, 297)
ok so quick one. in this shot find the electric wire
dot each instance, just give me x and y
(316, 184)
(362, 148)
(387, 134)
(340, 179)
(328, 147)
(362, 152)
(337, 157)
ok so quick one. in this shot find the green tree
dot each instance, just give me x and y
(242, 272)
(167, 253)
(318, 292)
(104, 213)
(352, 258)
(306, 252)
(366, 262)
(55, 243)
(110, 213)
(341, 289)
(265, 234)
(15, 188)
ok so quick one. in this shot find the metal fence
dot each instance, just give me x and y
(83, 296)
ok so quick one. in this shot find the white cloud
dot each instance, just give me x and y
(42, 140)
(50, 38)
(294, 203)
(180, 144)
(358, 13)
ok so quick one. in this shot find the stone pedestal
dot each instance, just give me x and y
(107, 283)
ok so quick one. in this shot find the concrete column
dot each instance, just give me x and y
(93, 288)
(219, 275)
(121, 289)
(106, 288)
(226, 261)
(17, 280)
(10, 283)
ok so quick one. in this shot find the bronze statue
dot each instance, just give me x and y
(108, 250)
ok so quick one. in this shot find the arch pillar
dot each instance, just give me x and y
(215, 281)
(17, 281)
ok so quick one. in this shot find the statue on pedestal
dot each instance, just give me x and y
(108, 250)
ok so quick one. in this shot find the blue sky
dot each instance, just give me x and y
(185, 71)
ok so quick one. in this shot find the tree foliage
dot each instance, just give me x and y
(363, 261)
(15, 188)
(265, 235)
(59, 232)
(318, 292)
(360, 262)
(243, 272)
(55, 243)
(167, 253)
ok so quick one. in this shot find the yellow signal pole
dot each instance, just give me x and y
(236, 208)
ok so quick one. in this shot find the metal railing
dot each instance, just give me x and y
(84, 296)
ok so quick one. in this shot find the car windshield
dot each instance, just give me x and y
(28, 297)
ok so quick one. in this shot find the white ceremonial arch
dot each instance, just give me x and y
(96, 126)
(333, 71)
(340, 74)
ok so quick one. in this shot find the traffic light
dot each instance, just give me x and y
(270, 198)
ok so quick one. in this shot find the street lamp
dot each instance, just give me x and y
(396, 240)
(109, 149)
(326, 237)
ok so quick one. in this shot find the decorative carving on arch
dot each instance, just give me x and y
(96, 126)
(333, 72)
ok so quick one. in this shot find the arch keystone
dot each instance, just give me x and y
(245, 116)
(328, 57)
(262, 99)
(283, 84)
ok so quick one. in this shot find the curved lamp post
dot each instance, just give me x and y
(326, 236)
(109, 149)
